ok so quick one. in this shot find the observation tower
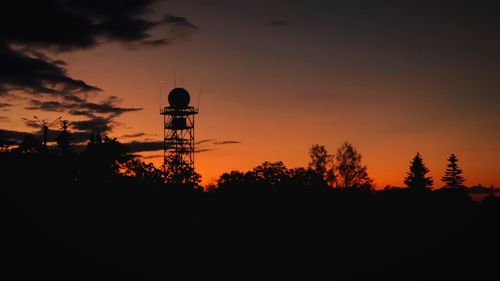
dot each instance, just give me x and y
(178, 128)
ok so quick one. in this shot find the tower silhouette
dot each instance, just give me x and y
(178, 124)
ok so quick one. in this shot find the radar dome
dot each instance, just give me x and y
(178, 98)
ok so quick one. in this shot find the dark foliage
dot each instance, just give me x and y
(453, 175)
(416, 178)
(322, 163)
(179, 172)
(103, 214)
(350, 172)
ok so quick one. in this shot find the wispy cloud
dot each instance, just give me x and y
(136, 135)
(95, 124)
(84, 108)
(226, 142)
(100, 115)
(205, 141)
(143, 146)
(151, 156)
(203, 150)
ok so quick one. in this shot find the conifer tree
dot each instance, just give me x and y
(452, 176)
(416, 178)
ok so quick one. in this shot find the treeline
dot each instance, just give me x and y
(104, 158)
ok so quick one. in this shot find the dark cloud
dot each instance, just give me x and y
(107, 106)
(137, 146)
(200, 150)
(29, 29)
(5, 105)
(84, 128)
(81, 108)
(216, 142)
(100, 115)
(21, 72)
(4, 119)
(95, 124)
(53, 131)
(143, 146)
(136, 135)
(29, 51)
(46, 106)
(178, 23)
(31, 123)
(208, 144)
(65, 25)
(78, 138)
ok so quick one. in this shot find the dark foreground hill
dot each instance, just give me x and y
(128, 231)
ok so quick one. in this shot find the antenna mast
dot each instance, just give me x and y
(45, 126)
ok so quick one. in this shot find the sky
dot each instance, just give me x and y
(270, 78)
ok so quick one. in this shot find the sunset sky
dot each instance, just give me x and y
(275, 77)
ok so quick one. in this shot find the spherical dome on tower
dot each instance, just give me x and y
(178, 98)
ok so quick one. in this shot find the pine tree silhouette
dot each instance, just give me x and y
(416, 178)
(452, 176)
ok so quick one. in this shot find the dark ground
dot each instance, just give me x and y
(85, 232)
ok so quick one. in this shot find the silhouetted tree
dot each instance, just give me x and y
(230, 179)
(416, 178)
(322, 163)
(272, 173)
(103, 157)
(452, 176)
(178, 171)
(350, 171)
(236, 181)
(64, 139)
(306, 178)
(145, 173)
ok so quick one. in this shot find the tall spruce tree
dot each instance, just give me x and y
(452, 176)
(416, 178)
